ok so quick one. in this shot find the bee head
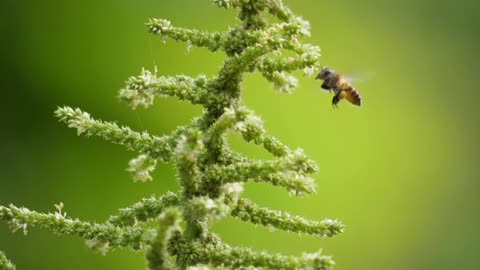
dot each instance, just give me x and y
(325, 73)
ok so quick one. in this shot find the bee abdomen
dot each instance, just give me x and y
(353, 96)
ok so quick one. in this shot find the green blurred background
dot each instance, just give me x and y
(401, 171)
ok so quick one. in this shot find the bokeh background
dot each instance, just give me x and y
(401, 171)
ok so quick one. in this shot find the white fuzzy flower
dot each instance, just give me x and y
(141, 167)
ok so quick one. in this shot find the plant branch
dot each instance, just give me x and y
(164, 28)
(157, 254)
(234, 257)
(275, 7)
(157, 147)
(100, 236)
(145, 210)
(5, 264)
(141, 90)
(249, 211)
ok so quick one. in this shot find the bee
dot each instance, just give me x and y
(333, 81)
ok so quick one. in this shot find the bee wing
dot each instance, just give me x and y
(359, 77)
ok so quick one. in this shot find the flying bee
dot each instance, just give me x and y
(333, 81)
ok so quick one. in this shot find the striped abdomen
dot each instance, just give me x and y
(347, 91)
(352, 95)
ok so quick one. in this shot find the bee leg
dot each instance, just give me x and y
(325, 86)
(335, 100)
